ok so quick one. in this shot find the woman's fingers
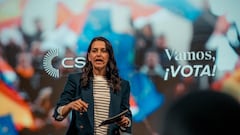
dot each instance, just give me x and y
(79, 105)
(83, 104)
(76, 107)
(123, 122)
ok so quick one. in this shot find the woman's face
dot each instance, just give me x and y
(98, 55)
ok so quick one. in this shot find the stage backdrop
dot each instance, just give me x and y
(164, 48)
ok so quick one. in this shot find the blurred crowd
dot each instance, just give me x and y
(24, 53)
(210, 33)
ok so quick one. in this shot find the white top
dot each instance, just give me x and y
(101, 95)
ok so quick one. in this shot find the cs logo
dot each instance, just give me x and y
(79, 62)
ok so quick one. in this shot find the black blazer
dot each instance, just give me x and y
(83, 123)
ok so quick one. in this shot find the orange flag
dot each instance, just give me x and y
(12, 103)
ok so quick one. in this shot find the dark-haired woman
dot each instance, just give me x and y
(95, 94)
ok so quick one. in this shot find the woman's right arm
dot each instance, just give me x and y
(77, 105)
(67, 96)
(68, 100)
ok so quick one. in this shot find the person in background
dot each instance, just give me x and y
(25, 72)
(152, 65)
(204, 112)
(226, 57)
(37, 35)
(160, 45)
(95, 94)
(174, 85)
(144, 40)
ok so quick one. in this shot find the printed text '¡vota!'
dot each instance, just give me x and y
(190, 70)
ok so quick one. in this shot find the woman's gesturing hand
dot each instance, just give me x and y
(78, 105)
(124, 122)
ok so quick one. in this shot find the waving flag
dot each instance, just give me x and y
(145, 97)
(7, 126)
(66, 15)
(11, 12)
(12, 103)
(7, 74)
(184, 8)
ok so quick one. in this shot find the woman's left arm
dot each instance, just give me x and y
(126, 122)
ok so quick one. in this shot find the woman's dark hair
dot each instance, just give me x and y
(112, 71)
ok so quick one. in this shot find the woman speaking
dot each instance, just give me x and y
(96, 94)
